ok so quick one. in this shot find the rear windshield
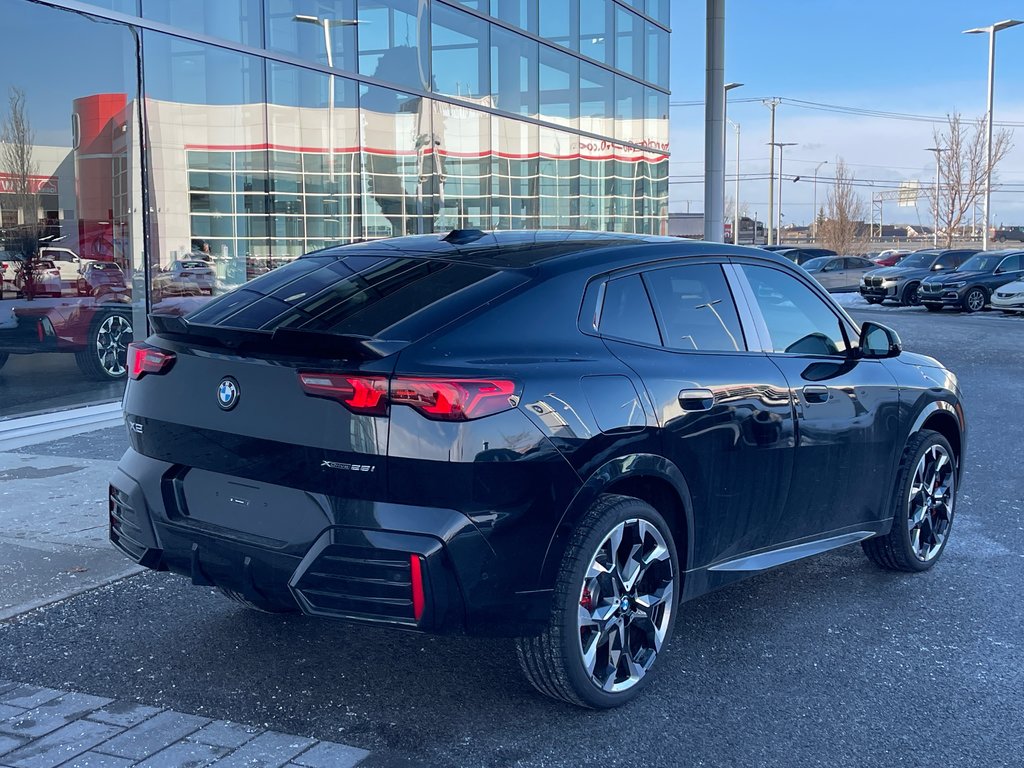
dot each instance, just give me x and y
(193, 264)
(367, 295)
(108, 266)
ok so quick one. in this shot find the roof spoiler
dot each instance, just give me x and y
(288, 341)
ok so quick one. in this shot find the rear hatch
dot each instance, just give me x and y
(279, 382)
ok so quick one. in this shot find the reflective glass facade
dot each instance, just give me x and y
(194, 145)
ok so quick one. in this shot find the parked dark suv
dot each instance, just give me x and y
(554, 436)
(971, 285)
(800, 255)
(902, 282)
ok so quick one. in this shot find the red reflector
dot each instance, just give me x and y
(362, 394)
(145, 358)
(453, 399)
(416, 571)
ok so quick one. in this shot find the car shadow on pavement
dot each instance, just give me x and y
(798, 645)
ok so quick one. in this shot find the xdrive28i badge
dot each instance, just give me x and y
(227, 393)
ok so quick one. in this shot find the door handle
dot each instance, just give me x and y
(815, 393)
(696, 399)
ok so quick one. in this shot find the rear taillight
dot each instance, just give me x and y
(361, 394)
(453, 399)
(145, 358)
(436, 398)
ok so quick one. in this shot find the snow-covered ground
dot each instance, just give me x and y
(853, 300)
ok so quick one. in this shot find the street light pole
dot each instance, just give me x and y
(991, 31)
(327, 24)
(814, 213)
(725, 112)
(736, 207)
(935, 234)
(771, 104)
(778, 226)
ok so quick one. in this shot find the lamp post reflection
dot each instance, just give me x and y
(327, 25)
(711, 305)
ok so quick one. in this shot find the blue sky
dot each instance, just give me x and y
(907, 57)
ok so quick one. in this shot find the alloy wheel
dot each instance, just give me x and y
(912, 297)
(112, 338)
(625, 605)
(930, 502)
(975, 300)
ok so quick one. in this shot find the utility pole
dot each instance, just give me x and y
(935, 234)
(771, 104)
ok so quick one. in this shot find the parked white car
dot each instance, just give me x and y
(1009, 297)
(65, 260)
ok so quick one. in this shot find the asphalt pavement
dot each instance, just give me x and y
(829, 661)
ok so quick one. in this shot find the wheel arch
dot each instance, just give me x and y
(947, 420)
(648, 477)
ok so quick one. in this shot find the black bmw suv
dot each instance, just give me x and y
(554, 436)
(971, 285)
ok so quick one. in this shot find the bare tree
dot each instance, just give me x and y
(730, 206)
(842, 219)
(962, 168)
(17, 140)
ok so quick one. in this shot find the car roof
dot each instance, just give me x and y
(527, 249)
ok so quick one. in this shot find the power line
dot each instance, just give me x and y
(848, 110)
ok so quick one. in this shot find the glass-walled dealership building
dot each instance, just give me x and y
(156, 152)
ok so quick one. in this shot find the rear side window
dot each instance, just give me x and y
(359, 294)
(695, 308)
(626, 311)
(799, 322)
(1011, 264)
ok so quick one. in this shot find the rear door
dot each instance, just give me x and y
(724, 410)
(856, 268)
(1009, 270)
(847, 409)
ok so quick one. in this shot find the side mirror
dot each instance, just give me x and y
(878, 341)
(938, 268)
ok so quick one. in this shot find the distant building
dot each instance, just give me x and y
(688, 225)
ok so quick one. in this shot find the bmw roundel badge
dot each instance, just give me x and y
(227, 394)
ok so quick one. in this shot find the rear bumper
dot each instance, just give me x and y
(30, 336)
(353, 572)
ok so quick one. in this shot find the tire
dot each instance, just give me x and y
(554, 662)
(105, 357)
(4, 357)
(873, 301)
(932, 520)
(933, 307)
(263, 606)
(911, 296)
(974, 300)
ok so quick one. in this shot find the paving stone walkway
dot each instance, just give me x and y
(47, 728)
